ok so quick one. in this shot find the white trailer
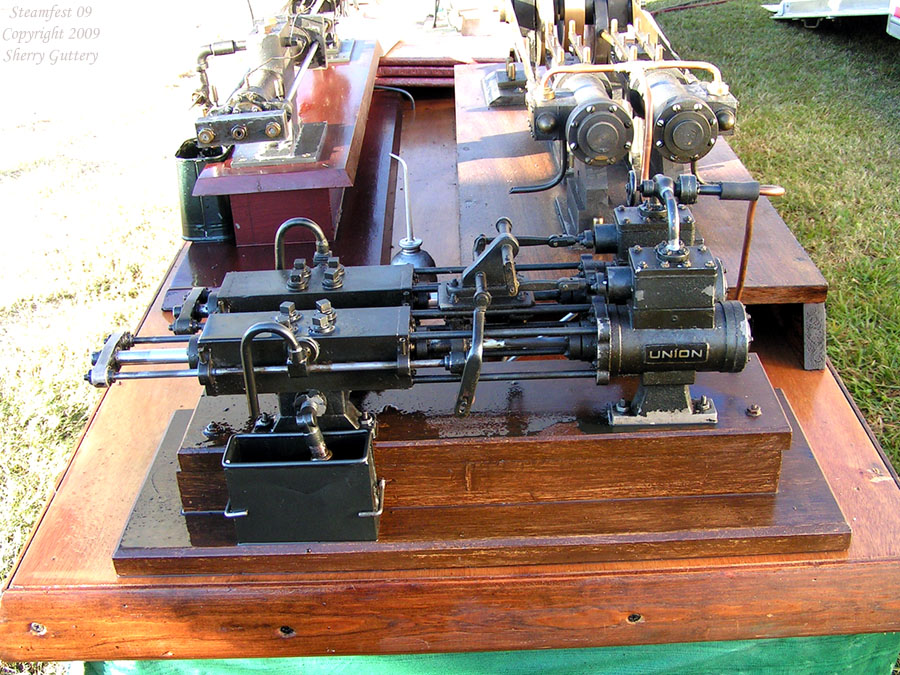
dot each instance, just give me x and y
(811, 12)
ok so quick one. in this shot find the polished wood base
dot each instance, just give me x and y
(568, 492)
(533, 441)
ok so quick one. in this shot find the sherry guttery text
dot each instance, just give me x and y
(50, 35)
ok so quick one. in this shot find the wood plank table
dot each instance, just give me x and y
(64, 600)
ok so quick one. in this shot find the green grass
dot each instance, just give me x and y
(820, 114)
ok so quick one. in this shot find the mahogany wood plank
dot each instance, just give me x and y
(415, 71)
(429, 148)
(257, 216)
(423, 82)
(367, 216)
(802, 516)
(562, 451)
(496, 152)
(393, 59)
(571, 609)
(339, 95)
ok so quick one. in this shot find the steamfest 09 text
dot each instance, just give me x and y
(53, 35)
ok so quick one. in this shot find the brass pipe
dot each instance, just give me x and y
(631, 66)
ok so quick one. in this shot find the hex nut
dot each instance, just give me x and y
(273, 130)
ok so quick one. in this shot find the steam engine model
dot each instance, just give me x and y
(318, 334)
(615, 100)
(259, 116)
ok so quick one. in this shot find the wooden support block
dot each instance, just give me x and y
(801, 516)
(562, 450)
(257, 216)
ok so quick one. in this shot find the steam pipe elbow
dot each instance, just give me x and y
(323, 248)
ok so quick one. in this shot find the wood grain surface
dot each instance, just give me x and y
(495, 527)
(550, 444)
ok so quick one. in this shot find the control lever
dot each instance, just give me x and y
(475, 356)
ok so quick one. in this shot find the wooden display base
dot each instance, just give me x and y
(456, 499)
(64, 599)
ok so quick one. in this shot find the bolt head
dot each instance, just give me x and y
(300, 264)
(239, 132)
(324, 306)
(206, 135)
(287, 307)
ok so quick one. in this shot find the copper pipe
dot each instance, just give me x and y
(745, 251)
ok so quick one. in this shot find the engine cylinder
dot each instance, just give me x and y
(684, 126)
(623, 350)
(598, 130)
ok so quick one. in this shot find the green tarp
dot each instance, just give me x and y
(871, 653)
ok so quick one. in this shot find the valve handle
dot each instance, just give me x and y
(475, 356)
